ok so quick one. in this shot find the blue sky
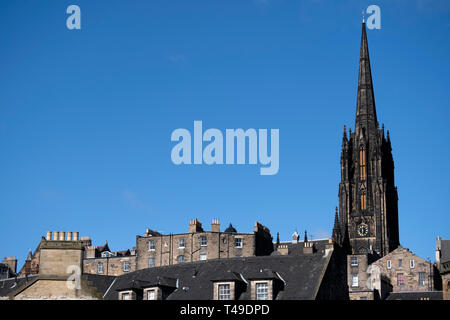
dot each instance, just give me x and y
(86, 115)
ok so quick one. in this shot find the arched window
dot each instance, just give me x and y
(362, 164)
(363, 201)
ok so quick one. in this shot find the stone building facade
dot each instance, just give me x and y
(100, 260)
(399, 271)
(155, 249)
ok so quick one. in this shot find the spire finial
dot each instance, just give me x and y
(363, 14)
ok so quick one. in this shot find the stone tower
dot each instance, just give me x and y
(368, 212)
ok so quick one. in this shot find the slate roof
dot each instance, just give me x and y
(299, 276)
(9, 285)
(445, 250)
(99, 282)
(415, 295)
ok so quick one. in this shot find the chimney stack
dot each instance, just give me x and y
(215, 225)
(195, 226)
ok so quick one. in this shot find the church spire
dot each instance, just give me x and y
(366, 115)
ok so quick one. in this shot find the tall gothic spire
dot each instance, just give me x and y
(366, 115)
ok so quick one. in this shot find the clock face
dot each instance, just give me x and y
(363, 229)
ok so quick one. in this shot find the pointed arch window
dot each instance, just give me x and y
(363, 201)
(362, 163)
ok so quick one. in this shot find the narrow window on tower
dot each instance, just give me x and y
(362, 164)
(363, 201)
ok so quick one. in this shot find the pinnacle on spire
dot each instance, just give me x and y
(345, 133)
(336, 228)
(30, 256)
(366, 115)
(306, 237)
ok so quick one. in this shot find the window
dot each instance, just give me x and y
(363, 298)
(181, 243)
(262, 291)
(400, 280)
(411, 264)
(151, 245)
(362, 164)
(151, 262)
(354, 261)
(100, 267)
(180, 259)
(355, 282)
(363, 201)
(400, 263)
(203, 241)
(203, 256)
(421, 278)
(151, 295)
(224, 292)
(238, 242)
(389, 264)
(126, 296)
(106, 254)
(126, 266)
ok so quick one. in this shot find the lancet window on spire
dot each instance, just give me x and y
(363, 201)
(362, 164)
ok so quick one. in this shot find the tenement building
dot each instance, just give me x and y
(155, 249)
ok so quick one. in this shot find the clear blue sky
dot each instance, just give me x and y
(86, 115)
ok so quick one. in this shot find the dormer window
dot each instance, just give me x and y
(224, 291)
(262, 291)
(106, 254)
(127, 295)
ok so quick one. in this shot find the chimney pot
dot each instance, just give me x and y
(69, 236)
(56, 235)
(49, 235)
(62, 235)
